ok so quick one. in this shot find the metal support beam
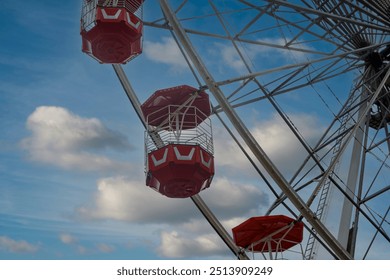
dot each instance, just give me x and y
(346, 214)
(248, 137)
(198, 201)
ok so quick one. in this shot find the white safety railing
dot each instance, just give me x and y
(180, 125)
(88, 15)
(88, 12)
(133, 6)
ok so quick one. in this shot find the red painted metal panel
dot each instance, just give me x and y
(156, 108)
(115, 36)
(178, 177)
(274, 230)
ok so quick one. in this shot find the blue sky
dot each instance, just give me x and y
(71, 147)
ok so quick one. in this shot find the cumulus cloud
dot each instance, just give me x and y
(105, 248)
(196, 239)
(166, 52)
(129, 200)
(63, 139)
(81, 249)
(227, 153)
(231, 202)
(280, 143)
(277, 140)
(263, 50)
(72, 241)
(175, 245)
(231, 58)
(123, 199)
(67, 238)
(187, 233)
(230, 198)
(16, 246)
(268, 49)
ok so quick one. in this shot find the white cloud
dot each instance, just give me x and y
(124, 199)
(166, 52)
(67, 238)
(130, 200)
(196, 239)
(267, 49)
(230, 198)
(187, 233)
(257, 53)
(231, 57)
(227, 153)
(16, 246)
(105, 248)
(276, 139)
(281, 145)
(176, 245)
(66, 140)
(81, 249)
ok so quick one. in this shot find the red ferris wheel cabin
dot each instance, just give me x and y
(178, 142)
(111, 30)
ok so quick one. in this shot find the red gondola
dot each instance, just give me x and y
(179, 160)
(111, 30)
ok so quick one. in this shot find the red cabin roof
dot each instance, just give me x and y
(282, 232)
(156, 107)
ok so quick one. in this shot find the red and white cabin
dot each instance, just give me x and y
(178, 142)
(111, 30)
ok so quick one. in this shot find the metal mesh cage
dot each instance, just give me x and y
(133, 6)
(171, 129)
(88, 11)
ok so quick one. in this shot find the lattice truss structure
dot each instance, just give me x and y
(289, 60)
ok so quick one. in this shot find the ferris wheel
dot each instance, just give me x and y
(290, 59)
